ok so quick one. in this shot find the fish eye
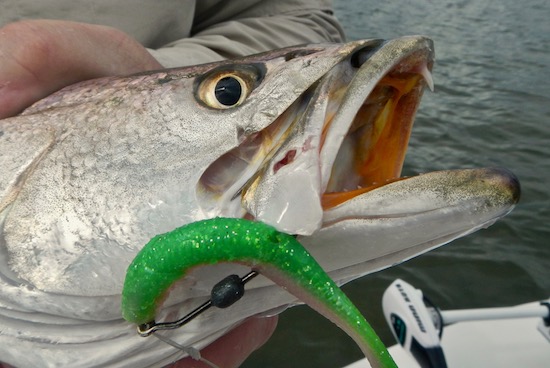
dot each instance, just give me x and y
(228, 91)
(225, 90)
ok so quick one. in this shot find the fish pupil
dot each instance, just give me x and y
(228, 91)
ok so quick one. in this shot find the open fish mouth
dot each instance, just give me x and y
(345, 135)
(372, 149)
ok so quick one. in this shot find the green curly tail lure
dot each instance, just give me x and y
(278, 256)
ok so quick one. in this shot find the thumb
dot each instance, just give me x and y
(38, 57)
(232, 349)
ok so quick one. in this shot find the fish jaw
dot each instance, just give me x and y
(408, 217)
(351, 132)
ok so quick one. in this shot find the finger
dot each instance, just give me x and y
(232, 349)
(39, 57)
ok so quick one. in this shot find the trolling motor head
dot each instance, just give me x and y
(412, 324)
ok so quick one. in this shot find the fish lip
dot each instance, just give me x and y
(492, 190)
(409, 217)
(509, 180)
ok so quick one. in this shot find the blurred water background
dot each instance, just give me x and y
(491, 107)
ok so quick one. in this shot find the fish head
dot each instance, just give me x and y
(99, 168)
(327, 124)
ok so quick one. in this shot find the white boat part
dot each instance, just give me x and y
(506, 337)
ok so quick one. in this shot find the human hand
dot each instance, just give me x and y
(38, 57)
(231, 350)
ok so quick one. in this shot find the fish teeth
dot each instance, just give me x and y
(427, 74)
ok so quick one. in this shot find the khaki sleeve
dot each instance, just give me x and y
(251, 34)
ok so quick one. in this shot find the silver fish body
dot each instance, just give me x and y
(313, 144)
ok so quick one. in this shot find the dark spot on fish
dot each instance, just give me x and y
(165, 79)
(115, 101)
(299, 53)
(359, 57)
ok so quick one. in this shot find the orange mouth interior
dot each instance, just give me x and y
(380, 133)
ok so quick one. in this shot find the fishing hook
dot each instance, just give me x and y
(224, 294)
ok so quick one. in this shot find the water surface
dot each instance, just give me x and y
(491, 107)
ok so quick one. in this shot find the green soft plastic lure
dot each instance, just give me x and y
(278, 256)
